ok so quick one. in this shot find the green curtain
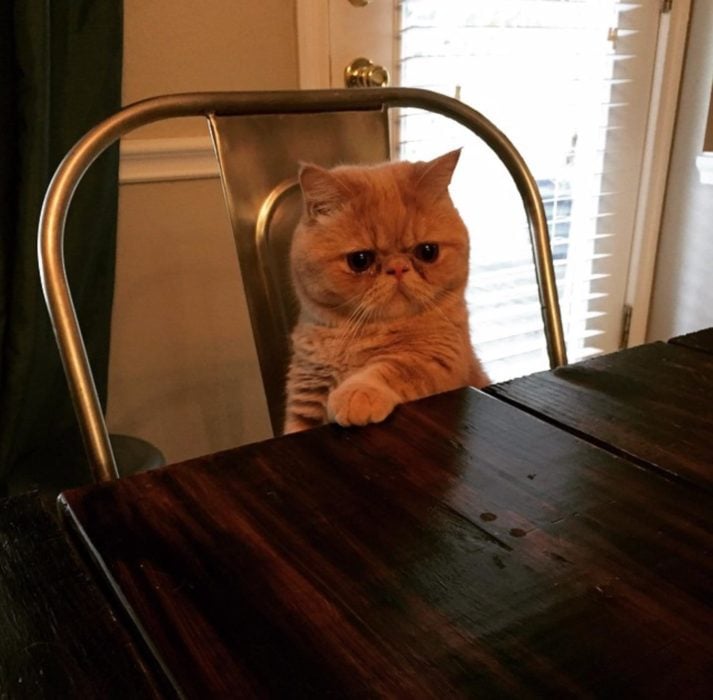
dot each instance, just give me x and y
(60, 73)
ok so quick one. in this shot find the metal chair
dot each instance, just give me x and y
(263, 210)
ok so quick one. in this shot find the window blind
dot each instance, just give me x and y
(568, 81)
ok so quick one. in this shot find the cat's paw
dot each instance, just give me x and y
(359, 403)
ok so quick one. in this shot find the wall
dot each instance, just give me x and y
(683, 294)
(183, 368)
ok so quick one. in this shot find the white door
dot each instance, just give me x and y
(571, 83)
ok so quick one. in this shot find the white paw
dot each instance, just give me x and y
(359, 403)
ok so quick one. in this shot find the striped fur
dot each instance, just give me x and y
(367, 341)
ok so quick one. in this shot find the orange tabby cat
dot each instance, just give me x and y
(379, 264)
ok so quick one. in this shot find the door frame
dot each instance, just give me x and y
(663, 108)
(313, 43)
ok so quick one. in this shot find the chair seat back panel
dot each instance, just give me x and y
(259, 158)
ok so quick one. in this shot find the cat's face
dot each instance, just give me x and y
(378, 243)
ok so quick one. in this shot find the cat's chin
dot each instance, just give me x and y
(400, 306)
(406, 302)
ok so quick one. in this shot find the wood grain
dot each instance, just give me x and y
(461, 549)
(58, 636)
(700, 340)
(652, 403)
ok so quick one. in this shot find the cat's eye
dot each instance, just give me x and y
(361, 260)
(427, 252)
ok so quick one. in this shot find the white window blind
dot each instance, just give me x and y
(568, 81)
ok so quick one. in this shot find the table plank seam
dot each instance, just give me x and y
(647, 466)
(681, 342)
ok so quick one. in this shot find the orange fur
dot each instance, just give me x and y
(397, 331)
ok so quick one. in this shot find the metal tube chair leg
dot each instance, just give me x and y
(82, 155)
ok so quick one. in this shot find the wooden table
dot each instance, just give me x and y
(59, 638)
(700, 340)
(550, 539)
(652, 404)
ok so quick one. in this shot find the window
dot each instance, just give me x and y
(568, 81)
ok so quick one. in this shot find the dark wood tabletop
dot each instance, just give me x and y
(700, 340)
(59, 638)
(463, 548)
(652, 404)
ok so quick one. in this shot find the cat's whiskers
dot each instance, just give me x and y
(369, 309)
(355, 323)
(435, 303)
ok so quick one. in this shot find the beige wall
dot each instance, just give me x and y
(683, 291)
(183, 368)
(192, 45)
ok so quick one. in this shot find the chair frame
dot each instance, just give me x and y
(78, 160)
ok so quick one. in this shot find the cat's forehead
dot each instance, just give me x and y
(397, 173)
(385, 209)
(386, 227)
(385, 191)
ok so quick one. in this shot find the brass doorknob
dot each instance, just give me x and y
(361, 72)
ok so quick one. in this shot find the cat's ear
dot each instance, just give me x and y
(435, 176)
(322, 191)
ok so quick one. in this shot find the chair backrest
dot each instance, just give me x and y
(216, 107)
(259, 156)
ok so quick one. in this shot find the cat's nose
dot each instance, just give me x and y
(397, 267)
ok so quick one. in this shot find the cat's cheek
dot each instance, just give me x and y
(360, 403)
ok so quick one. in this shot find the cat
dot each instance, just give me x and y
(379, 264)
